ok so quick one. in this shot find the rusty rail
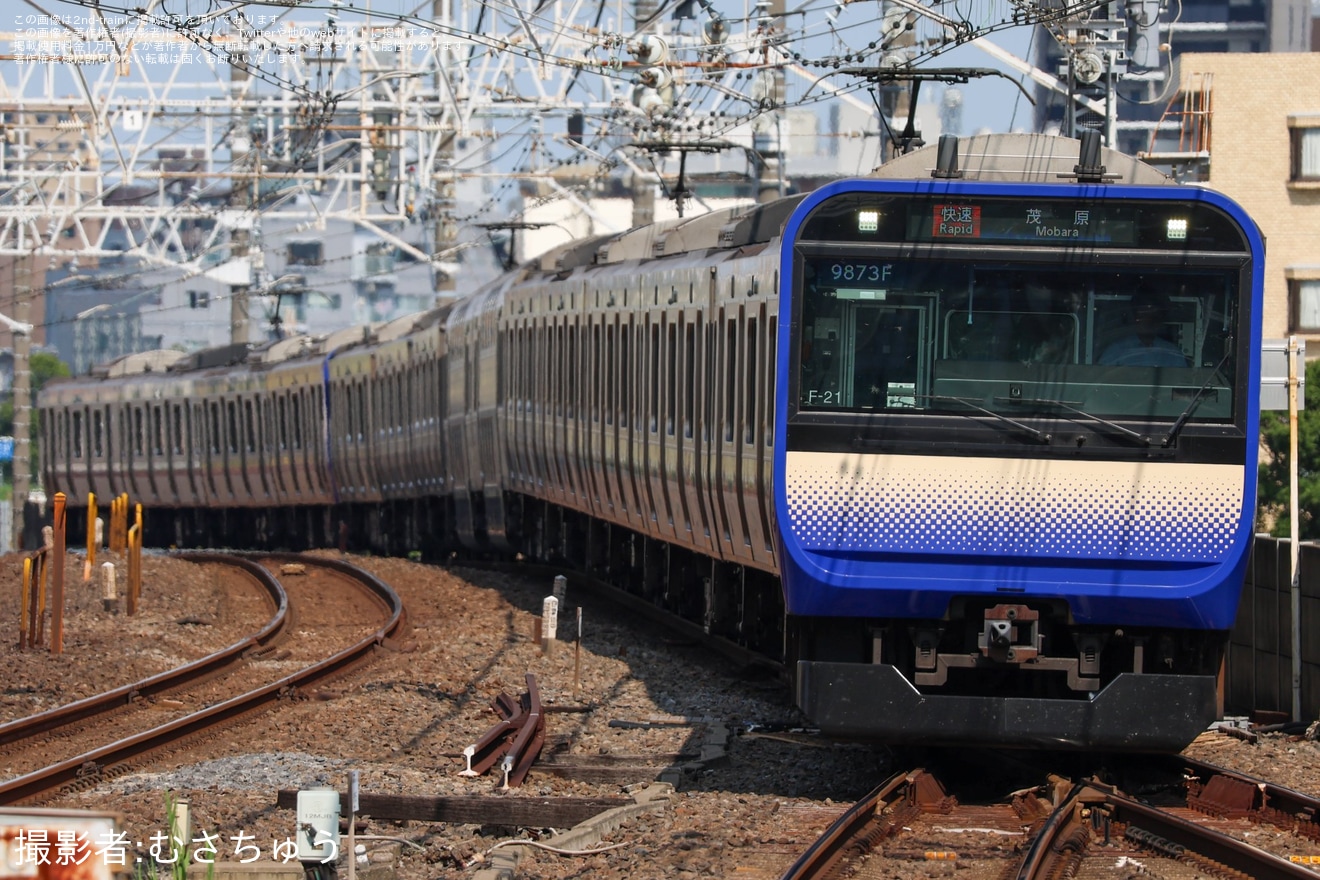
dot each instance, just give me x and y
(878, 815)
(1096, 810)
(60, 716)
(515, 741)
(1218, 791)
(40, 782)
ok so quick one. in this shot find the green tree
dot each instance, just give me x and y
(43, 367)
(1272, 506)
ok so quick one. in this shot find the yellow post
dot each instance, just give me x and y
(113, 543)
(23, 604)
(137, 518)
(39, 609)
(137, 562)
(123, 523)
(132, 572)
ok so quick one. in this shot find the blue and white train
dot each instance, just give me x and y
(970, 443)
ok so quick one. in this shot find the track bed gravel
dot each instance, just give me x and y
(403, 720)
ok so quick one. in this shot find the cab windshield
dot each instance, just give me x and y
(1120, 343)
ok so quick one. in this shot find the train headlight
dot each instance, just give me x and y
(1176, 230)
(868, 221)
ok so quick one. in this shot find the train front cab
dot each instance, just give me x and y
(982, 540)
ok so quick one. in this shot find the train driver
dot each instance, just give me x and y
(1146, 345)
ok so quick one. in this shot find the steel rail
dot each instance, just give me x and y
(98, 704)
(1052, 842)
(91, 763)
(1225, 792)
(1094, 808)
(822, 855)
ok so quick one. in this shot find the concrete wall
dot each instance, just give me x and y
(1260, 652)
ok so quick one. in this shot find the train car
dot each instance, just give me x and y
(1018, 418)
(968, 443)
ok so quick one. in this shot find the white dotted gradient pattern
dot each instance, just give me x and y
(1013, 507)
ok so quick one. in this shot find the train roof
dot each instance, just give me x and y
(1021, 158)
(157, 361)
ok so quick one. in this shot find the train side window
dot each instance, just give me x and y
(730, 377)
(689, 379)
(157, 437)
(597, 377)
(518, 354)
(393, 392)
(611, 371)
(749, 396)
(282, 430)
(625, 373)
(710, 339)
(296, 403)
(573, 386)
(557, 384)
(653, 402)
(362, 410)
(349, 414)
(215, 428)
(249, 425)
(137, 430)
(400, 410)
(232, 412)
(671, 377)
(77, 434)
(98, 434)
(177, 429)
(501, 380)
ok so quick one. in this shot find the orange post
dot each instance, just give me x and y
(57, 579)
(91, 530)
(123, 523)
(137, 518)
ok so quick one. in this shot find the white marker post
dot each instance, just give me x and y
(577, 656)
(109, 589)
(353, 788)
(549, 623)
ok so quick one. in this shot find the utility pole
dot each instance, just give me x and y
(22, 463)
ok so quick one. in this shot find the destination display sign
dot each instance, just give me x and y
(1041, 223)
(1023, 221)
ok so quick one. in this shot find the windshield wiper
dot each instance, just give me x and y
(1039, 436)
(1199, 395)
(1114, 426)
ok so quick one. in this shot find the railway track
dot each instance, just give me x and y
(1213, 823)
(81, 727)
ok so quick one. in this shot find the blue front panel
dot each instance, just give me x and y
(1124, 540)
